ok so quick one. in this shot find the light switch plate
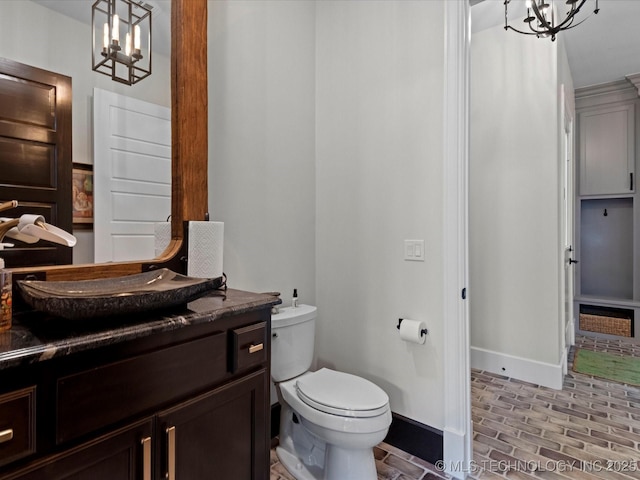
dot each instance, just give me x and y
(414, 250)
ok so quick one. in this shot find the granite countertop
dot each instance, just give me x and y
(35, 337)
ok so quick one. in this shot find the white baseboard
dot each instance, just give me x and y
(527, 370)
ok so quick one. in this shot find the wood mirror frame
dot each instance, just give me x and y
(189, 149)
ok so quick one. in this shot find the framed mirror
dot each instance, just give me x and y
(57, 111)
(189, 149)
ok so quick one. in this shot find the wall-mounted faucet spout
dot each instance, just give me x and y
(31, 228)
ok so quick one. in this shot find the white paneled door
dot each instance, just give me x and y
(567, 336)
(132, 175)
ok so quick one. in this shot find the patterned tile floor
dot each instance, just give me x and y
(588, 430)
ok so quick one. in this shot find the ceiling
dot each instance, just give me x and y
(161, 18)
(605, 48)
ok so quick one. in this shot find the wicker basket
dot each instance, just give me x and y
(605, 324)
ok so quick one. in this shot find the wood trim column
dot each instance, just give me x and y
(189, 112)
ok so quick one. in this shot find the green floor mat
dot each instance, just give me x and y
(609, 366)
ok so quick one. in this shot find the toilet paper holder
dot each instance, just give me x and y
(423, 332)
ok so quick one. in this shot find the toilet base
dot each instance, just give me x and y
(307, 457)
(341, 465)
(297, 468)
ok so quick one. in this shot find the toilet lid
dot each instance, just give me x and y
(342, 394)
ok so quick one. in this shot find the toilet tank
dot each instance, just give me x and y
(292, 337)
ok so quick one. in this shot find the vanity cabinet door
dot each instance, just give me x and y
(125, 454)
(221, 434)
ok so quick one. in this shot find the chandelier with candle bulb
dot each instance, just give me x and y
(122, 39)
(544, 18)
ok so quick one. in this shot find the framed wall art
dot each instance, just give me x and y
(82, 195)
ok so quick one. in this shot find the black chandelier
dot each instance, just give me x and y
(545, 19)
(127, 58)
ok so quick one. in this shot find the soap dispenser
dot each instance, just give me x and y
(294, 300)
(5, 298)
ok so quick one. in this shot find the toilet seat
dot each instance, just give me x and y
(342, 394)
(336, 423)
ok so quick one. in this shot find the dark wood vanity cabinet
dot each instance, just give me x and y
(211, 436)
(191, 404)
(124, 454)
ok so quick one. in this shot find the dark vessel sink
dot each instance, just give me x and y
(141, 292)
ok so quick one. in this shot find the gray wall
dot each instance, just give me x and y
(606, 247)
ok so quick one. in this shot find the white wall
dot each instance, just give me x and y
(43, 38)
(514, 206)
(261, 143)
(379, 174)
(325, 154)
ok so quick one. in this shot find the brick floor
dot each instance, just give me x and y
(391, 463)
(588, 430)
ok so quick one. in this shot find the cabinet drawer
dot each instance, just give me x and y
(96, 398)
(248, 346)
(17, 424)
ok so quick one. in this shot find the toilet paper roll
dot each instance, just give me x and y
(410, 331)
(204, 255)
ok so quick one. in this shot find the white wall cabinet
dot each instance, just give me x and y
(607, 150)
(607, 211)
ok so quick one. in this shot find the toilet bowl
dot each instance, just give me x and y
(330, 421)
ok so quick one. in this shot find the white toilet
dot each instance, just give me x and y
(330, 421)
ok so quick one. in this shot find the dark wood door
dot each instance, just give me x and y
(119, 455)
(219, 435)
(35, 155)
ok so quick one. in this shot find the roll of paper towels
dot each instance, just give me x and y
(204, 255)
(162, 237)
(411, 331)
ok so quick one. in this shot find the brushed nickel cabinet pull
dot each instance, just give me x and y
(146, 458)
(171, 457)
(256, 348)
(6, 435)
